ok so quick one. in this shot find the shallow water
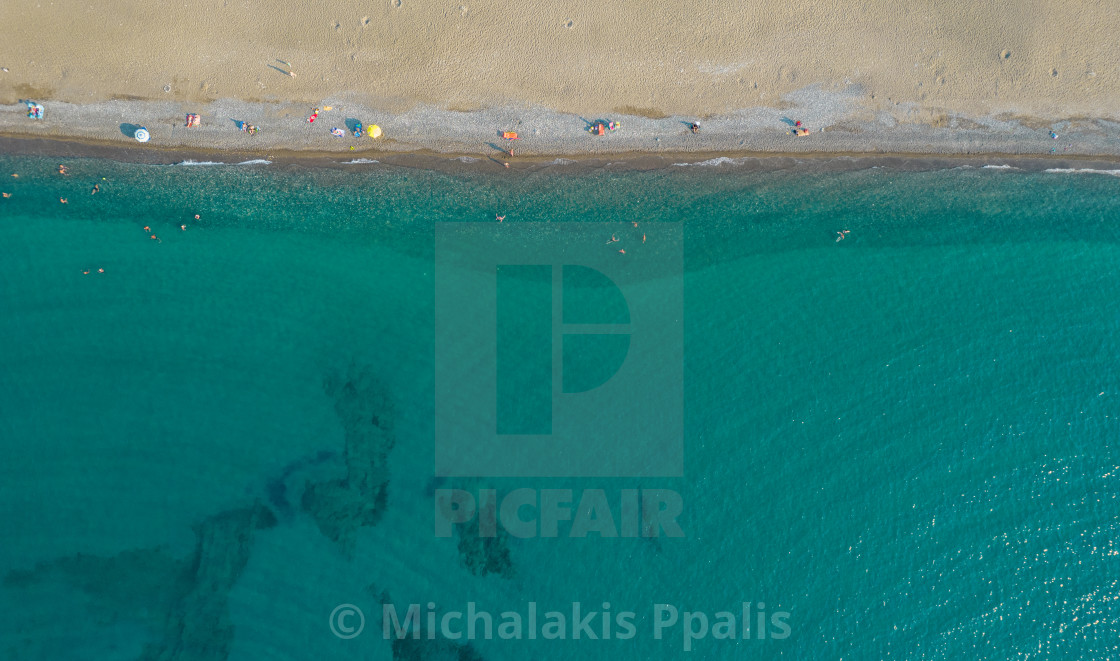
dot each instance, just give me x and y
(906, 440)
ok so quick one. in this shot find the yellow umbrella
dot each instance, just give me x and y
(374, 131)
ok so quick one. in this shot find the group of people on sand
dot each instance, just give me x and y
(193, 120)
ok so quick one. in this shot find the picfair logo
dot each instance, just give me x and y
(557, 356)
(593, 334)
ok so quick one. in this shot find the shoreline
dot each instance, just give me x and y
(458, 163)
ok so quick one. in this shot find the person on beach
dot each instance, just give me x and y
(694, 127)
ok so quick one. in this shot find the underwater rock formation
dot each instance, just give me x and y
(343, 505)
(184, 602)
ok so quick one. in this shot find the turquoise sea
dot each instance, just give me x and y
(905, 443)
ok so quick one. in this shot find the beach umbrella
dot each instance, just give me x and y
(142, 135)
(374, 131)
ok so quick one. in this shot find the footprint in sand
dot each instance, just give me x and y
(1005, 54)
(396, 3)
(365, 21)
(570, 24)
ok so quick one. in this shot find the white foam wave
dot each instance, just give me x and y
(255, 161)
(468, 159)
(1114, 173)
(358, 161)
(1000, 167)
(713, 162)
(562, 161)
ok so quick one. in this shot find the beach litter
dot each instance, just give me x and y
(141, 134)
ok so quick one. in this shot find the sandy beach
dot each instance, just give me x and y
(870, 77)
